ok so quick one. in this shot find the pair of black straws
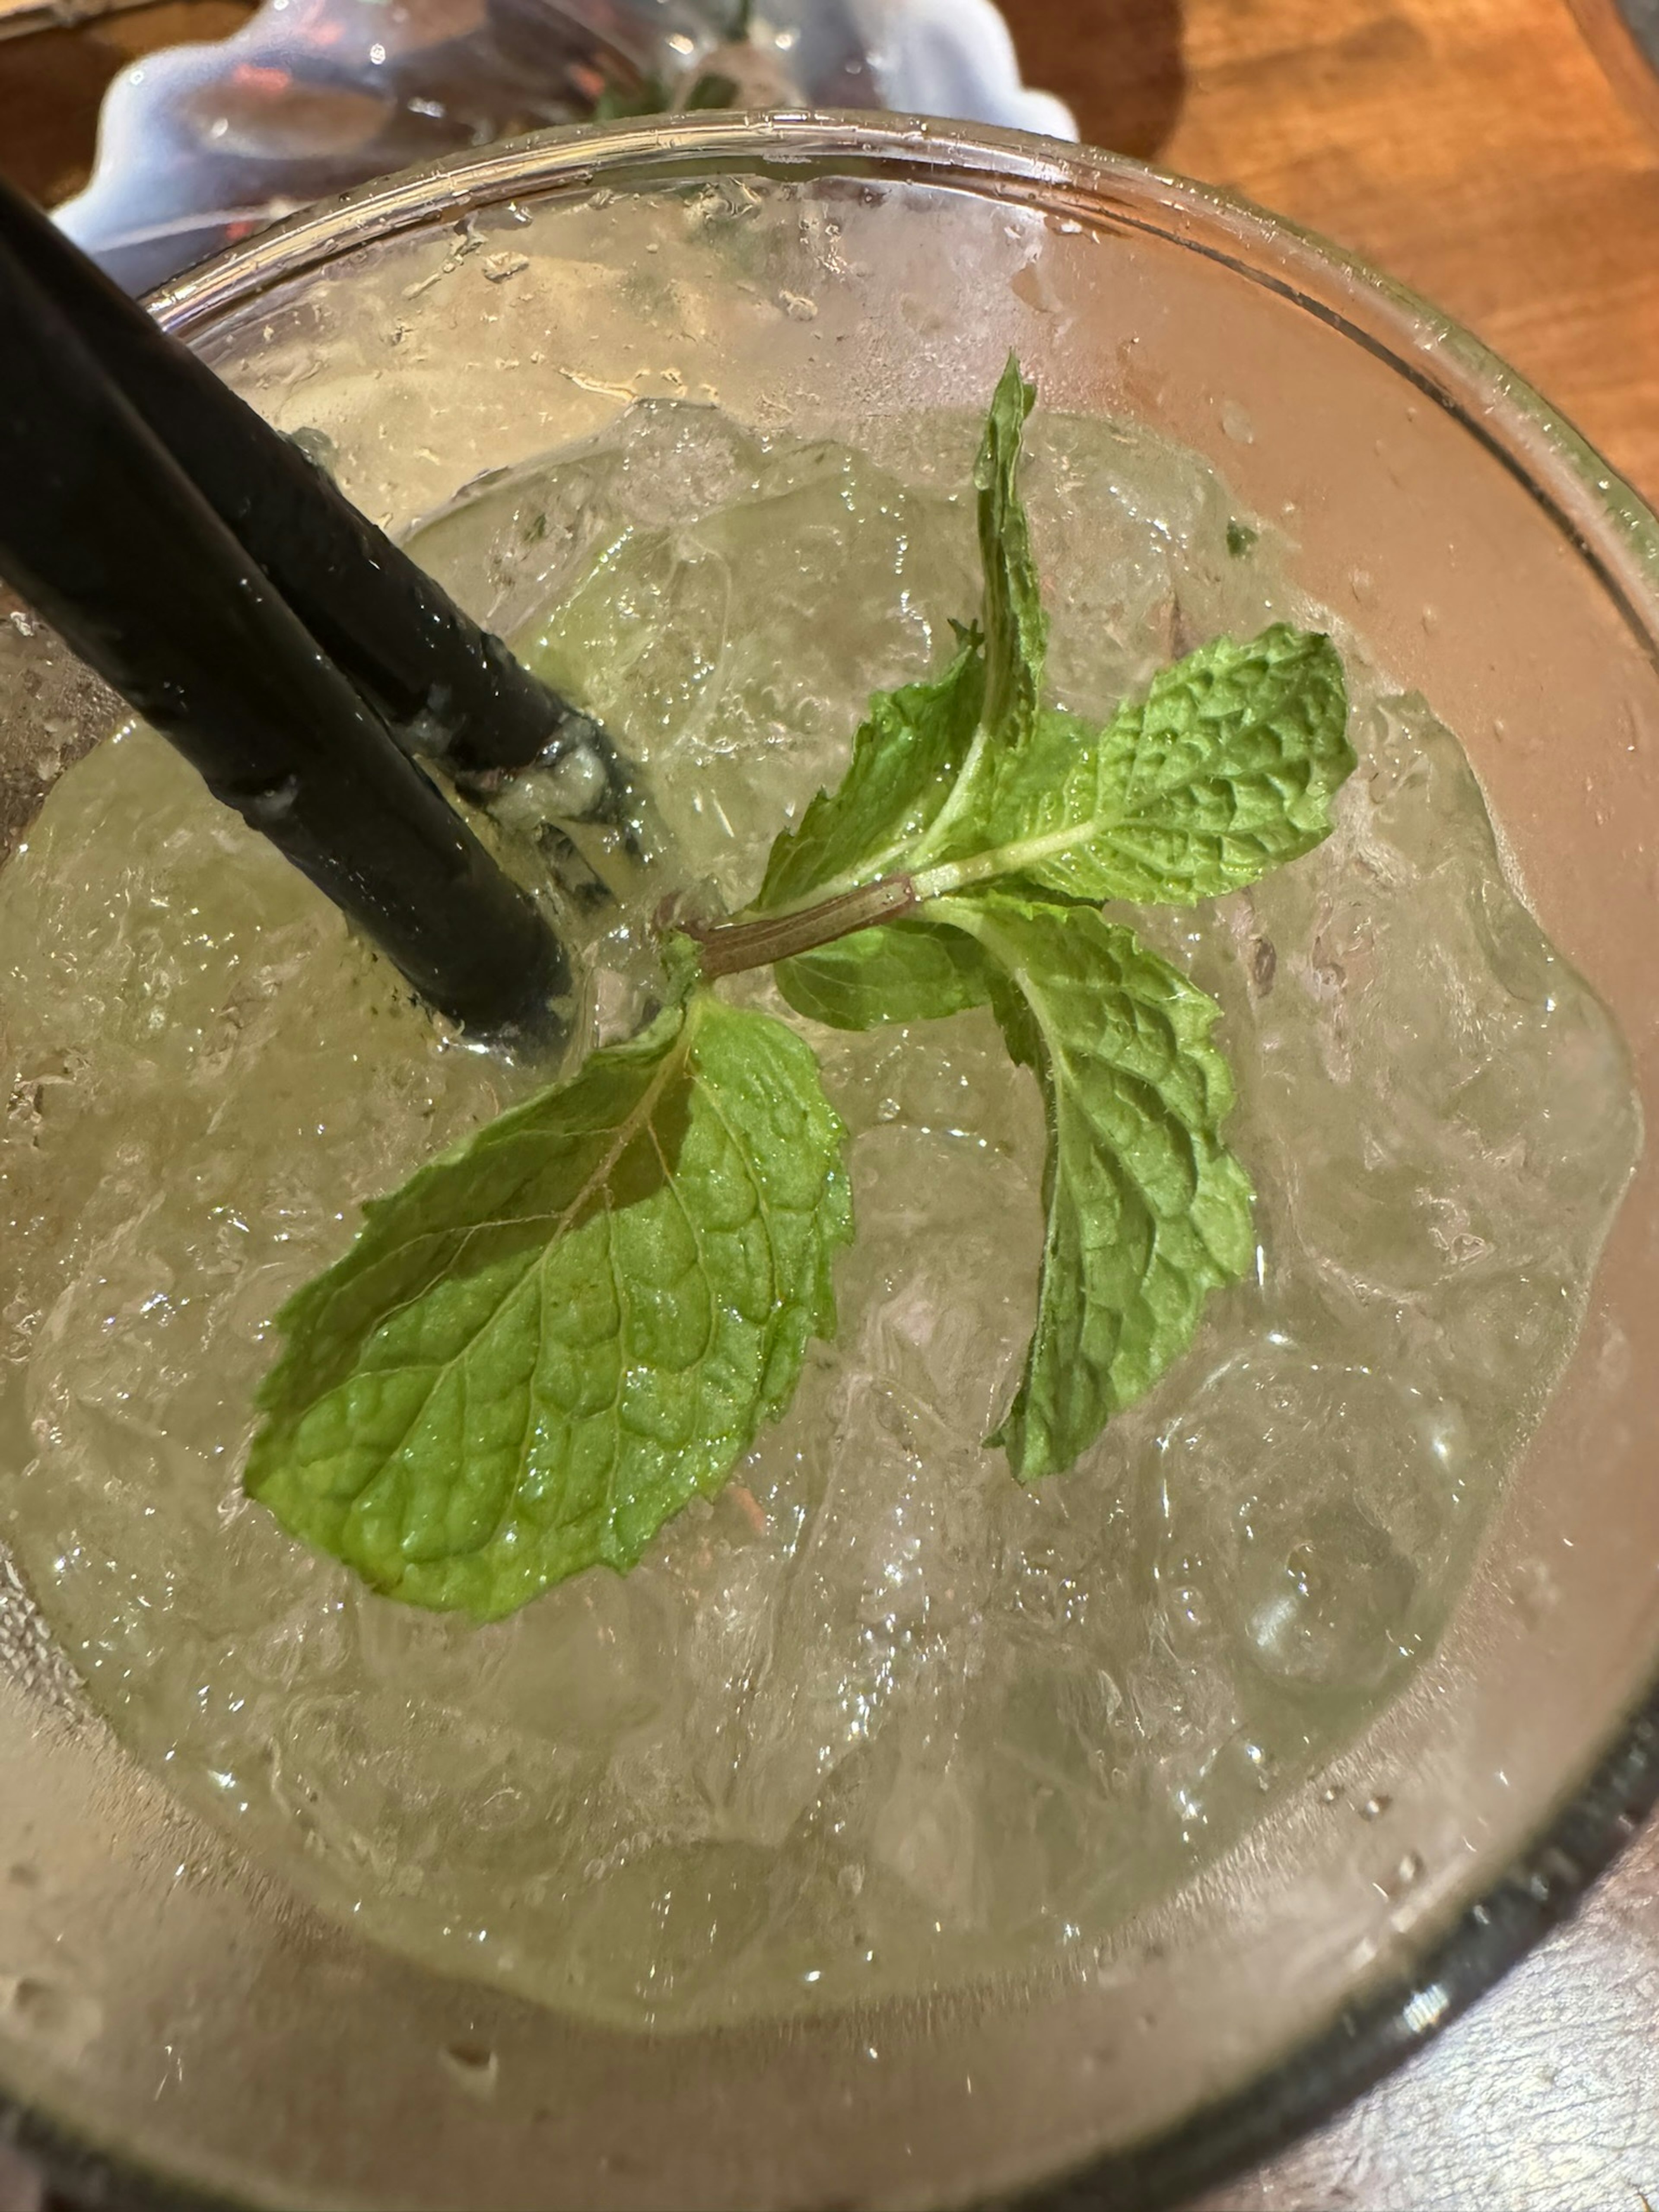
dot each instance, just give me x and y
(216, 577)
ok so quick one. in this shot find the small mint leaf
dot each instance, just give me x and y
(713, 90)
(1226, 768)
(543, 1346)
(905, 971)
(682, 964)
(1016, 627)
(1148, 1211)
(617, 100)
(906, 760)
(918, 750)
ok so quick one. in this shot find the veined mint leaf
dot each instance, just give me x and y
(906, 760)
(1148, 1211)
(1016, 627)
(909, 757)
(913, 971)
(549, 1340)
(1225, 769)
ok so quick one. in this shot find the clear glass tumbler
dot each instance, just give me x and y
(468, 318)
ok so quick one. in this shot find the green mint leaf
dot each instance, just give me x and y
(617, 100)
(913, 971)
(910, 758)
(906, 761)
(1148, 1211)
(1226, 768)
(713, 90)
(543, 1346)
(1016, 627)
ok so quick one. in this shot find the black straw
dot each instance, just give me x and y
(108, 538)
(447, 687)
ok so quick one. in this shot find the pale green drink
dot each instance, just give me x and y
(877, 1719)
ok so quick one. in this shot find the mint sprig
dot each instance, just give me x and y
(551, 1340)
(1225, 770)
(907, 761)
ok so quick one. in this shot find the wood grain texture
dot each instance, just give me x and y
(1475, 148)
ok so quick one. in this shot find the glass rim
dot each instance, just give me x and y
(1607, 521)
(1600, 1806)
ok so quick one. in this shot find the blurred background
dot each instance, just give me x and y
(1501, 156)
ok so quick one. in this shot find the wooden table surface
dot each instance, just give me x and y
(1475, 148)
(1480, 150)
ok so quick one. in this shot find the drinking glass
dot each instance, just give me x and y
(170, 2011)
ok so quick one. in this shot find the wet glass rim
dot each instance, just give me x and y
(1609, 527)
(1608, 523)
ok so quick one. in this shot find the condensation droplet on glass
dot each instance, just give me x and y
(1533, 1592)
(1375, 1806)
(1237, 423)
(50, 2012)
(473, 2067)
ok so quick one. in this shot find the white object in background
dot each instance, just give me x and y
(200, 145)
(954, 57)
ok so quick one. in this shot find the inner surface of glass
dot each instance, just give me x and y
(776, 383)
(876, 1720)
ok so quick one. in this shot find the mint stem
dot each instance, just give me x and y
(729, 947)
